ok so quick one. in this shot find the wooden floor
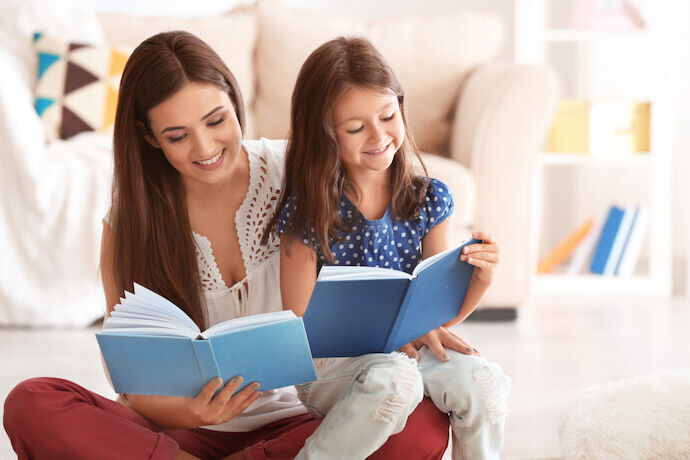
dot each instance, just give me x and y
(553, 351)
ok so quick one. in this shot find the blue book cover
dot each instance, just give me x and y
(606, 240)
(150, 348)
(358, 310)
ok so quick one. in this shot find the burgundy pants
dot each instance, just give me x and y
(48, 418)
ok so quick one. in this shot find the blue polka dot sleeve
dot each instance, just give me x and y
(439, 205)
(286, 214)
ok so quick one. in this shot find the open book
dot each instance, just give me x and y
(356, 310)
(151, 346)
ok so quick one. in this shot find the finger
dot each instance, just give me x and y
(438, 350)
(483, 264)
(487, 256)
(454, 342)
(226, 393)
(484, 236)
(208, 390)
(241, 406)
(410, 351)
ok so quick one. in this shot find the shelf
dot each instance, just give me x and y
(588, 285)
(586, 159)
(582, 35)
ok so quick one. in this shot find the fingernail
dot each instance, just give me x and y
(238, 379)
(218, 380)
(469, 349)
(445, 357)
(465, 250)
(469, 259)
(475, 350)
(256, 385)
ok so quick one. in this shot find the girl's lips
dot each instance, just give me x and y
(212, 162)
(380, 150)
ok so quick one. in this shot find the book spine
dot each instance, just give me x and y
(619, 241)
(606, 239)
(206, 360)
(633, 246)
(391, 337)
(565, 247)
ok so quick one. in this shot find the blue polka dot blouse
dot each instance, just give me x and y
(385, 242)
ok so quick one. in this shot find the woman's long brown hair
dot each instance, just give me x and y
(314, 175)
(152, 239)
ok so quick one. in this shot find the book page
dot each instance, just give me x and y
(428, 261)
(147, 313)
(358, 272)
(248, 321)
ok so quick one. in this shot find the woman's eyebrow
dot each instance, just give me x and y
(173, 128)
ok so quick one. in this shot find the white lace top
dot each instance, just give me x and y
(259, 292)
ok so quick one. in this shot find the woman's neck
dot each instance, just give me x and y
(209, 197)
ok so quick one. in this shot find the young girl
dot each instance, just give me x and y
(350, 197)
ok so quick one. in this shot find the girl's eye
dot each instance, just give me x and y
(176, 139)
(389, 118)
(217, 122)
(355, 131)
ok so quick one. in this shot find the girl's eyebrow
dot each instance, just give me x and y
(173, 128)
(357, 118)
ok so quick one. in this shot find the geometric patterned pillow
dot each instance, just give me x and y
(77, 86)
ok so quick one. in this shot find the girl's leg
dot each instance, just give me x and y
(364, 401)
(474, 392)
(425, 437)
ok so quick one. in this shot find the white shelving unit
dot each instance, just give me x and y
(534, 36)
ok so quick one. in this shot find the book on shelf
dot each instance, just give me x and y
(620, 242)
(356, 310)
(582, 255)
(150, 346)
(565, 247)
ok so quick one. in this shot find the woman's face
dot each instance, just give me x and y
(198, 131)
(369, 130)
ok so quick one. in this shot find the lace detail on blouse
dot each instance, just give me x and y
(255, 212)
(211, 279)
(250, 222)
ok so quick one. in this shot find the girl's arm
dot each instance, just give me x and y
(297, 274)
(484, 257)
(172, 411)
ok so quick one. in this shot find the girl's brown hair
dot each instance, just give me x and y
(314, 175)
(152, 239)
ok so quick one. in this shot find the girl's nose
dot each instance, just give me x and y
(377, 133)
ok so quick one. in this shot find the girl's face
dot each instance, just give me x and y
(369, 130)
(198, 131)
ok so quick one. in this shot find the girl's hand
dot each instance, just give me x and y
(436, 340)
(484, 256)
(209, 409)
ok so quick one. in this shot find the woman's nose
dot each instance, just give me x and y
(203, 145)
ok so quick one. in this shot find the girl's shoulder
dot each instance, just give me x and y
(438, 205)
(437, 189)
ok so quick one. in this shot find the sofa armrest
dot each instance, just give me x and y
(501, 120)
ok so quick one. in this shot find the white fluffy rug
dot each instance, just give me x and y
(642, 417)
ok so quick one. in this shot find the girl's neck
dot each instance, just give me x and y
(374, 195)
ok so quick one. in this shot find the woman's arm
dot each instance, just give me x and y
(171, 411)
(297, 274)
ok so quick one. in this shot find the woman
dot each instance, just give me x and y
(190, 201)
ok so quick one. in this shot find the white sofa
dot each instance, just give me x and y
(480, 120)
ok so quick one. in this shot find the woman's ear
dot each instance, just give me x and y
(144, 131)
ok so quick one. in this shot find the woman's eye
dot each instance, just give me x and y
(176, 139)
(217, 122)
(389, 118)
(355, 131)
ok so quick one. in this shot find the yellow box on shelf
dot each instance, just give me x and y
(600, 127)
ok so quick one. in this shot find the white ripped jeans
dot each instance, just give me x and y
(366, 399)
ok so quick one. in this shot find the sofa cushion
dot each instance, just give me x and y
(232, 35)
(77, 85)
(431, 55)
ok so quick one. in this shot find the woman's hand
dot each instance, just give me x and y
(203, 409)
(436, 340)
(484, 256)
(208, 408)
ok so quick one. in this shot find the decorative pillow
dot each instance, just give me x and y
(77, 85)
